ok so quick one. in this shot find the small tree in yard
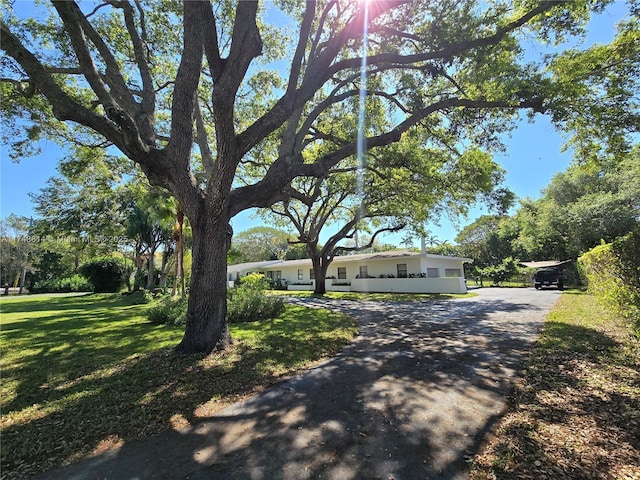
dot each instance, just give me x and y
(501, 272)
(195, 93)
(105, 274)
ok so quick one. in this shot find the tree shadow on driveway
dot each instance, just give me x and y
(411, 398)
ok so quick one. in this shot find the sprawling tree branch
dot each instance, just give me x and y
(394, 228)
(64, 108)
(186, 84)
(80, 27)
(445, 53)
(262, 194)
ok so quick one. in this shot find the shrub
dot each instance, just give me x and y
(502, 272)
(140, 280)
(75, 283)
(245, 303)
(278, 284)
(106, 274)
(168, 310)
(248, 302)
(612, 271)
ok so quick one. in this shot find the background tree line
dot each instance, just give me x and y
(96, 210)
(590, 203)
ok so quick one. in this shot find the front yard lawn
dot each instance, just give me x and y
(81, 374)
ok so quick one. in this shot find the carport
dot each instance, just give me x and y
(546, 263)
(548, 273)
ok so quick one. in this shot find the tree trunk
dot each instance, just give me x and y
(164, 274)
(179, 267)
(151, 269)
(168, 259)
(320, 273)
(23, 277)
(127, 271)
(138, 262)
(207, 328)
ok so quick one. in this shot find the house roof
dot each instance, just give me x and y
(395, 254)
(447, 257)
(240, 267)
(545, 263)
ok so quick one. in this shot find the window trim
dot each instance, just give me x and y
(342, 273)
(457, 271)
(402, 272)
(431, 270)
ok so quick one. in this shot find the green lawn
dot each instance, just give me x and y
(574, 415)
(83, 373)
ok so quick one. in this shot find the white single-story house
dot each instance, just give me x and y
(399, 271)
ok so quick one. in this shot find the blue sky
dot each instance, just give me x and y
(533, 156)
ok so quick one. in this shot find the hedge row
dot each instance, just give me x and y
(612, 271)
(75, 283)
(100, 275)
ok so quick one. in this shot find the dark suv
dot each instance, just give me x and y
(548, 277)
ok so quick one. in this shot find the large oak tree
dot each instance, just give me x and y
(194, 93)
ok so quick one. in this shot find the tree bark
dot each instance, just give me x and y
(23, 277)
(178, 237)
(151, 269)
(138, 262)
(319, 268)
(206, 329)
(319, 271)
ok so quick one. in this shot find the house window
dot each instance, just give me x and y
(300, 277)
(402, 270)
(270, 275)
(363, 273)
(452, 272)
(342, 273)
(311, 274)
(433, 273)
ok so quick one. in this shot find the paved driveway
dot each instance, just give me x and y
(411, 398)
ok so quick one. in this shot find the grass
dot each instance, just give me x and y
(374, 297)
(574, 414)
(81, 374)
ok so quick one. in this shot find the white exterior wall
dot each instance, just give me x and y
(290, 274)
(409, 285)
(376, 267)
(441, 264)
(330, 287)
(332, 271)
(416, 265)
